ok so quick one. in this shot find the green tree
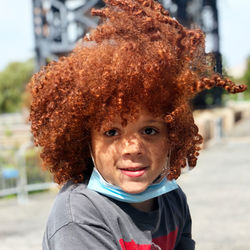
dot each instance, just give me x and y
(13, 80)
(246, 76)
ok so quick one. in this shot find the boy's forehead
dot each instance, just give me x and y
(121, 119)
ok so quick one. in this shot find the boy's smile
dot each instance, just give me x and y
(131, 157)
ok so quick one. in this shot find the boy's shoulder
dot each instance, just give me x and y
(178, 193)
(73, 204)
(177, 200)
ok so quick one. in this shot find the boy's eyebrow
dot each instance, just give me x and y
(118, 123)
(153, 121)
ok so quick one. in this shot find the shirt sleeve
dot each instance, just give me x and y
(75, 223)
(75, 236)
(186, 242)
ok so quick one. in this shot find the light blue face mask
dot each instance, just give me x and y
(98, 184)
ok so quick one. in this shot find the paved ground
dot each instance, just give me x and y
(22, 225)
(218, 190)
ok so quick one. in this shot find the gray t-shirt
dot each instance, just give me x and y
(84, 219)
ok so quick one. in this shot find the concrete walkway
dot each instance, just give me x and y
(218, 191)
(22, 225)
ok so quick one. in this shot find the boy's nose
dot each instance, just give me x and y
(132, 146)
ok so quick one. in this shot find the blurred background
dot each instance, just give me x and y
(34, 32)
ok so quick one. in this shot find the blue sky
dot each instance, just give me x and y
(16, 31)
(234, 18)
(17, 41)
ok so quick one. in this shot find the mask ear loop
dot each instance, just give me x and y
(187, 168)
(91, 154)
(165, 169)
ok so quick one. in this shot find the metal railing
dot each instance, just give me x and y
(14, 181)
(28, 188)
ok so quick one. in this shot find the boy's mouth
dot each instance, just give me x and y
(133, 171)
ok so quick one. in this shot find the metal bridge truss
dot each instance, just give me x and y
(201, 13)
(58, 24)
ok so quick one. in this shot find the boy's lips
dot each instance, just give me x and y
(134, 171)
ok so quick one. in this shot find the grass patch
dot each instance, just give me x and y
(10, 196)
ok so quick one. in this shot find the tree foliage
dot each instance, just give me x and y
(13, 80)
(246, 76)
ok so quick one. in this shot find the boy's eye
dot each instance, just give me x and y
(149, 131)
(111, 132)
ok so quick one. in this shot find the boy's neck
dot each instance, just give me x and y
(146, 206)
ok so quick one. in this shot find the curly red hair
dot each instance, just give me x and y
(138, 56)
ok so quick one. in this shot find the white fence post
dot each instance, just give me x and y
(22, 193)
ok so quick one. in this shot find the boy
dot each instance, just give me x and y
(115, 125)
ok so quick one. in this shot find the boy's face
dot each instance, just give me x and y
(131, 157)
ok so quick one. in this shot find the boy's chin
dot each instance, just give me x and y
(134, 189)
